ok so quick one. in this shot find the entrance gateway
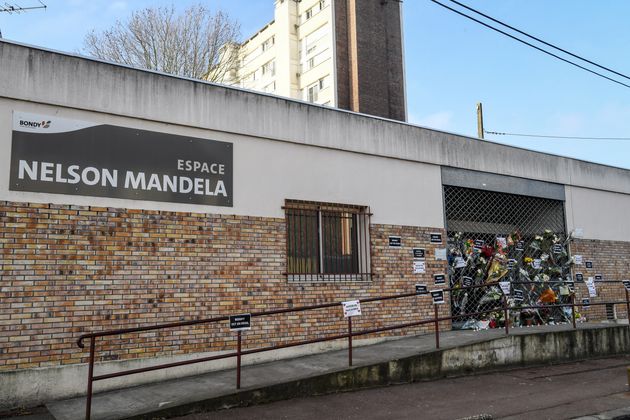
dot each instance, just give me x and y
(499, 236)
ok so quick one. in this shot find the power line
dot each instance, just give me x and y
(497, 133)
(530, 45)
(540, 40)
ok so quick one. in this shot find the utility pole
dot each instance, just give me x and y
(14, 8)
(479, 120)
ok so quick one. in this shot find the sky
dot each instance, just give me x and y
(451, 64)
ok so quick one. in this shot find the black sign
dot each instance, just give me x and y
(438, 296)
(240, 322)
(557, 249)
(511, 264)
(72, 157)
(579, 277)
(520, 246)
(395, 241)
(589, 264)
(418, 253)
(626, 284)
(467, 281)
(570, 285)
(421, 289)
(436, 238)
(598, 277)
(586, 302)
(479, 243)
(439, 278)
(518, 295)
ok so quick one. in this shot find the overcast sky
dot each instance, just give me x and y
(451, 64)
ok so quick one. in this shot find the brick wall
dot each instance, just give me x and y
(610, 259)
(66, 270)
(370, 77)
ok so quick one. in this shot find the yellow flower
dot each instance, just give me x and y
(528, 260)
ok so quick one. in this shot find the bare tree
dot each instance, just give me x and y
(193, 44)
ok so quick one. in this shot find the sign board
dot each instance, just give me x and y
(590, 284)
(460, 262)
(557, 248)
(570, 285)
(501, 242)
(351, 308)
(626, 284)
(62, 156)
(520, 246)
(536, 263)
(579, 277)
(439, 278)
(440, 254)
(240, 322)
(518, 295)
(421, 289)
(511, 264)
(436, 238)
(395, 241)
(467, 281)
(589, 264)
(419, 267)
(598, 277)
(577, 259)
(479, 243)
(505, 287)
(438, 296)
(586, 302)
(418, 253)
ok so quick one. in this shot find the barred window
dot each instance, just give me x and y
(327, 242)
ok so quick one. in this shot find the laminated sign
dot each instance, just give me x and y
(626, 284)
(421, 289)
(438, 296)
(351, 308)
(240, 322)
(505, 287)
(590, 284)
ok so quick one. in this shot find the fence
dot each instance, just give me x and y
(506, 307)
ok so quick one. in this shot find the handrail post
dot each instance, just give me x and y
(573, 309)
(238, 360)
(627, 306)
(88, 403)
(506, 315)
(437, 327)
(349, 341)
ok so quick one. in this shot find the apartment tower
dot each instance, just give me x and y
(340, 53)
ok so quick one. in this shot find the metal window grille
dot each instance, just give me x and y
(484, 216)
(611, 315)
(327, 242)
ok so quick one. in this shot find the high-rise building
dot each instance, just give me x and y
(340, 53)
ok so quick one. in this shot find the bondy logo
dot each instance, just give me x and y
(34, 124)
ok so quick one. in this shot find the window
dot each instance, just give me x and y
(268, 43)
(314, 10)
(327, 242)
(271, 87)
(269, 68)
(312, 93)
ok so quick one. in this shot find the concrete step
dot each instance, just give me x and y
(397, 361)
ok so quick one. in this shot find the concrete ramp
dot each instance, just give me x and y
(392, 362)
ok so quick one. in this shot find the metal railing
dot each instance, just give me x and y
(349, 334)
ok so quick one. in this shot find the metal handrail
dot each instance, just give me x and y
(348, 335)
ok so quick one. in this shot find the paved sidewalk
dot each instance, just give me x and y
(149, 398)
(551, 392)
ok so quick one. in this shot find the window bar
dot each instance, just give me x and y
(320, 244)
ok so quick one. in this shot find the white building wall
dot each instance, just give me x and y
(601, 214)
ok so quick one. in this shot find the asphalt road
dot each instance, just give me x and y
(549, 392)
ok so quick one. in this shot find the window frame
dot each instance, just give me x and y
(360, 240)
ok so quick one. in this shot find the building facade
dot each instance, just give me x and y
(132, 198)
(338, 53)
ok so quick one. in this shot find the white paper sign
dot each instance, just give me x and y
(351, 308)
(419, 267)
(577, 259)
(505, 287)
(502, 242)
(590, 283)
(440, 254)
(536, 263)
(460, 262)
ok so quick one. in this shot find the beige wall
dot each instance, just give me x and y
(266, 173)
(602, 214)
